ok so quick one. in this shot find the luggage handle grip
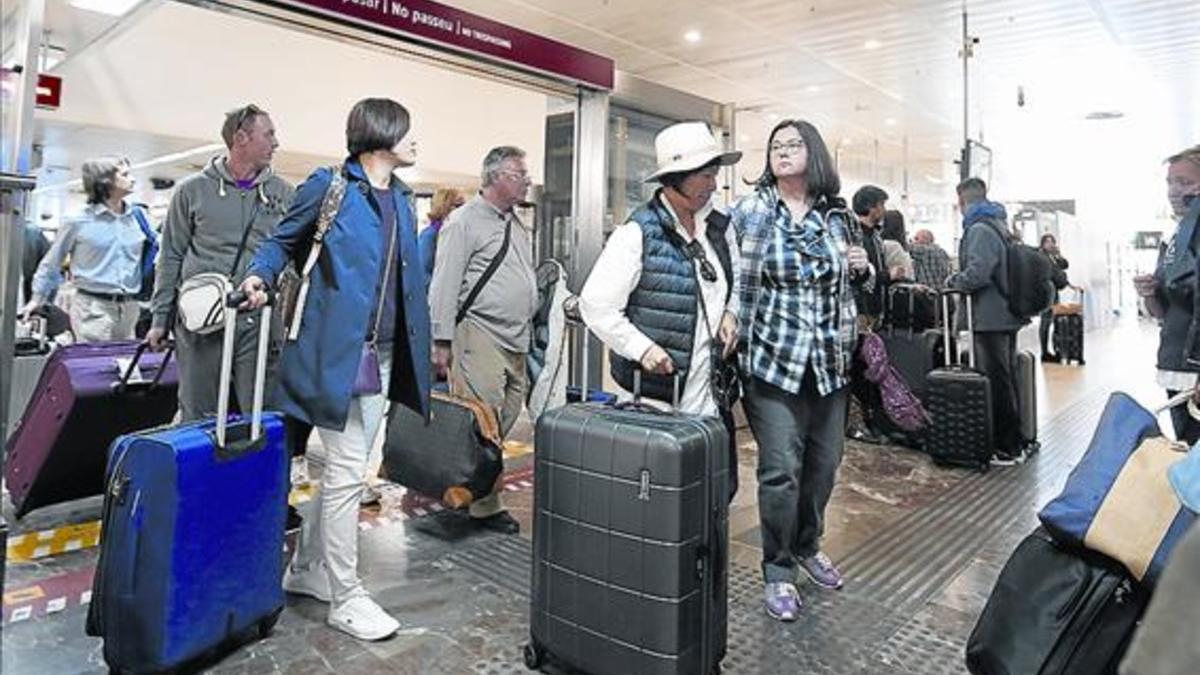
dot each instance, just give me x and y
(232, 302)
(233, 448)
(122, 385)
(637, 404)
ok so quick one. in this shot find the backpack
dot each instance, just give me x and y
(1029, 276)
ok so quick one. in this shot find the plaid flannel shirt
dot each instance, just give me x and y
(931, 265)
(797, 306)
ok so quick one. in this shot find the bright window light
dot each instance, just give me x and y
(109, 7)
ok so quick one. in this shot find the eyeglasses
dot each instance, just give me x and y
(695, 251)
(791, 146)
(519, 175)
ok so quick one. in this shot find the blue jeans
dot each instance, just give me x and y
(800, 440)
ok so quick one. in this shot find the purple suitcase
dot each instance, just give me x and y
(81, 404)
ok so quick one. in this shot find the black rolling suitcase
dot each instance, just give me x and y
(915, 355)
(959, 401)
(911, 307)
(1068, 329)
(630, 541)
(1055, 611)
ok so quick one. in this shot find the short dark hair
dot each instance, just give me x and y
(893, 227)
(375, 124)
(99, 175)
(1050, 236)
(972, 190)
(867, 198)
(675, 179)
(237, 120)
(821, 172)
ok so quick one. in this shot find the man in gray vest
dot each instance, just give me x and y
(215, 222)
(481, 303)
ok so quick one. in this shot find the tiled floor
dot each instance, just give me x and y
(921, 547)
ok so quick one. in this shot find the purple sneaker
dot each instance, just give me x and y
(820, 569)
(782, 601)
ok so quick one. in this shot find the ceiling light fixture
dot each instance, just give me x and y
(109, 7)
(872, 44)
(891, 121)
(812, 88)
(692, 36)
(1103, 115)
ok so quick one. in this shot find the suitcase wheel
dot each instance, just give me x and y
(984, 467)
(534, 655)
(268, 624)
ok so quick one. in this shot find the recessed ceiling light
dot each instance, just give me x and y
(812, 89)
(944, 145)
(692, 36)
(774, 117)
(891, 121)
(745, 138)
(109, 7)
(872, 44)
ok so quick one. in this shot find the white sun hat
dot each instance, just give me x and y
(687, 146)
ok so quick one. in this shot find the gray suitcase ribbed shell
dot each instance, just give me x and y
(630, 540)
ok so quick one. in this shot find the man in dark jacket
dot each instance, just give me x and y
(983, 261)
(870, 206)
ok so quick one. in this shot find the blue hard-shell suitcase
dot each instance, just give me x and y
(191, 558)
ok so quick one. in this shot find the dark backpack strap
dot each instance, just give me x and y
(487, 275)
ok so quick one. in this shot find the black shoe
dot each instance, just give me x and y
(866, 436)
(501, 522)
(1051, 358)
(293, 519)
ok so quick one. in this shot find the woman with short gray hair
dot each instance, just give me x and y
(112, 249)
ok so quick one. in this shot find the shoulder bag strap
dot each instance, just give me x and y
(329, 208)
(487, 275)
(387, 271)
(245, 235)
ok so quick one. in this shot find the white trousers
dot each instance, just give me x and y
(330, 530)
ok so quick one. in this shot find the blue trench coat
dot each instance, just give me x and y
(317, 370)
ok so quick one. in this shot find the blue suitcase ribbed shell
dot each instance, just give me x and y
(192, 548)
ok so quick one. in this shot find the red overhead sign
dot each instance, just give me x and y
(445, 26)
(49, 91)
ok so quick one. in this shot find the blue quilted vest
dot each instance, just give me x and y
(663, 305)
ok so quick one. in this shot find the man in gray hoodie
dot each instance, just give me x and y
(983, 259)
(215, 222)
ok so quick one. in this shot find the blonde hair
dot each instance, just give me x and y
(445, 200)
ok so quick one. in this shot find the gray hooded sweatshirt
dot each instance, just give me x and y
(204, 227)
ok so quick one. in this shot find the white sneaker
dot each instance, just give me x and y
(363, 618)
(313, 582)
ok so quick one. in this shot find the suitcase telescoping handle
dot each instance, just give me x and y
(142, 348)
(637, 389)
(260, 366)
(946, 321)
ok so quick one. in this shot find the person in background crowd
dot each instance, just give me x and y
(379, 297)
(797, 334)
(1169, 293)
(1049, 246)
(109, 243)
(870, 206)
(445, 200)
(482, 347)
(661, 292)
(931, 263)
(216, 220)
(35, 246)
(982, 258)
(895, 247)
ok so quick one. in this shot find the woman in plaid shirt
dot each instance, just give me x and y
(797, 333)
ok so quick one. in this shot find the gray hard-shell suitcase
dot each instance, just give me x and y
(630, 541)
(960, 405)
(1027, 397)
(30, 354)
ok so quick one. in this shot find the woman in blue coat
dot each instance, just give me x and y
(355, 304)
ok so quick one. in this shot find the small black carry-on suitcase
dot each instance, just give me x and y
(959, 403)
(1068, 329)
(630, 541)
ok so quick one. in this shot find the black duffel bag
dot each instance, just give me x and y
(455, 457)
(1056, 611)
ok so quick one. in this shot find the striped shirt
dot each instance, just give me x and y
(797, 307)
